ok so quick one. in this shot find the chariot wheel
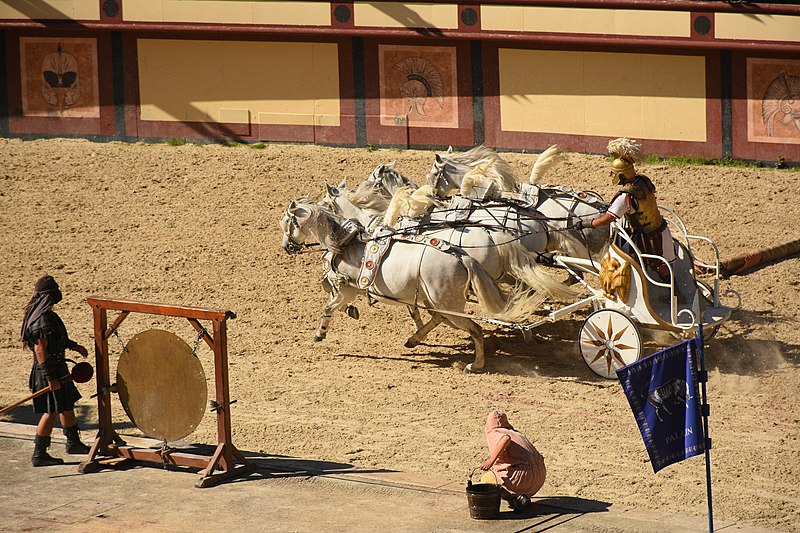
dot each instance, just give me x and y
(609, 340)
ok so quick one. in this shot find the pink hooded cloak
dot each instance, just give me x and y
(520, 467)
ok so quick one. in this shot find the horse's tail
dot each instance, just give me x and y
(543, 163)
(483, 286)
(583, 244)
(533, 286)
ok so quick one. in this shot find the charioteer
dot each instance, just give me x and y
(637, 200)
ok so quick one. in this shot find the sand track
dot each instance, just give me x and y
(197, 225)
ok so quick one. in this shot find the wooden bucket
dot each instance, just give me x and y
(483, 499)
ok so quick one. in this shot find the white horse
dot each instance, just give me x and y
(502, 254)
(449, 169)
(430, 274)
(499, 252)
(482, 174)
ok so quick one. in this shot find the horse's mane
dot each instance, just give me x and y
(374, 194)
(325, 226)
(497, 169)
(369, 199)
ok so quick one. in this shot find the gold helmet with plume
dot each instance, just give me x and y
(626, 153)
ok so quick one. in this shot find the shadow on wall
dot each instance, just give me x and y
(408, 18)
(40, 11)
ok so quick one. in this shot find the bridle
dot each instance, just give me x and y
(441, 179)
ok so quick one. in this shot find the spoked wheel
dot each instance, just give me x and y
(609, 340)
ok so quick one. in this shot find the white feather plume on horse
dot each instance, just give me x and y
(408, 202)
(544, 162)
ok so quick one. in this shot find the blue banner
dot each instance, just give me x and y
(663, 393)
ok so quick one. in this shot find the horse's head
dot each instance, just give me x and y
(439, 177)
(293, 225)
(333, 195)
(385, 180)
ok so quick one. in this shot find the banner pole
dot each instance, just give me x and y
(705, 410)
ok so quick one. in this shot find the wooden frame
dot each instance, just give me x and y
(110, 445)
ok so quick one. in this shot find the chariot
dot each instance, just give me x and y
(630, 296)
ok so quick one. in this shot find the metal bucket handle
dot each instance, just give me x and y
(472, 473)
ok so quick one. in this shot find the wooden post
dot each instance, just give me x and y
(102, 378)
(744, 262)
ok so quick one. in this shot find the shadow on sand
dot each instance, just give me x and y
(552, 511)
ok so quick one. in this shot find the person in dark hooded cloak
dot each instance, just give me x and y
(44, 333)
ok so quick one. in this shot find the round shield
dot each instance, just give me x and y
(161, 385)
(82, 372)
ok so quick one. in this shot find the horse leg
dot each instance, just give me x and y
(423, 330)
(476, 333)
(322, 330)
(416, 317)
(338, 300)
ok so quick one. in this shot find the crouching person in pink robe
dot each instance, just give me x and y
(518, 466)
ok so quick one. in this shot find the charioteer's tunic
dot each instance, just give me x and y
(637, 200)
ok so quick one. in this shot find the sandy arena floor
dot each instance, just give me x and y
(197, 225)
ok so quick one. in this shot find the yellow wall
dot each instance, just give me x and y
(218, 81)
(50, 9)
(757, 27)
(580, 20)
(228, 12)
(405, 15)
(607, 94)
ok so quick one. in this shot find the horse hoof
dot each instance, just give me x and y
(352, 312)
(471, 369)
(319, 338)
(411, 343)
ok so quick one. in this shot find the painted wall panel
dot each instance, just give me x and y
(773, 106)
(50, 9)
(592, 21)
(219, 12)
(757, 27)
(59, 77)
(503, 18)
(144, 11)
(402, 15)
(283, 83)
(587, 93)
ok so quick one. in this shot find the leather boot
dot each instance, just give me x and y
(74, 444)
(40, 455)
